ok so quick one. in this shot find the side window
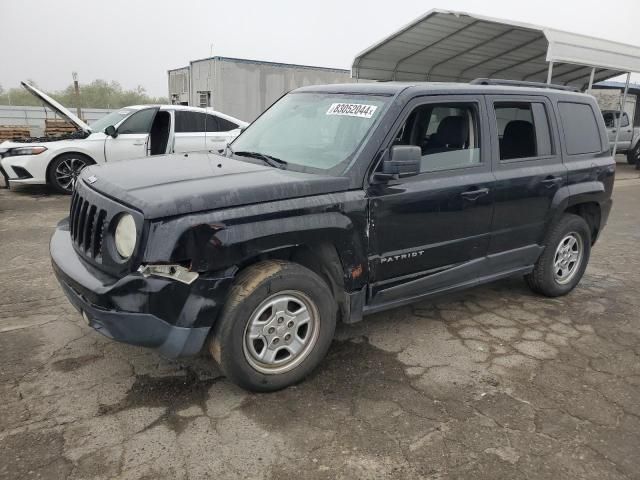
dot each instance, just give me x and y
(447, 134)
(189, 122)
(523, 130)
(610, 119)
(212, 124)
(225, 125)
(625, 120)
(581, 131)
(139, 122)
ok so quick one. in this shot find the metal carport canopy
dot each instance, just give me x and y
(447, 46)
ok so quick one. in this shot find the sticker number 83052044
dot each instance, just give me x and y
(352, 110)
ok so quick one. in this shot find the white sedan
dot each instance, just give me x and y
(128, 133)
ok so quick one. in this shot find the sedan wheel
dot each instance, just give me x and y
(65, 170)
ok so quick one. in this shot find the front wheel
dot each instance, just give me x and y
(565, 257)
(276, 327)
(64, 171)
(633, 155)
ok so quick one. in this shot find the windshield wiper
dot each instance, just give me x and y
(268, 159)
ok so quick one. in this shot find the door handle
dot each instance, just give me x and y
(474, 194)
(551, 181)
(139, 144)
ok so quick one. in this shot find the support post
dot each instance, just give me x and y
(619, 119)
(593, 74)
(550, 73)
(76, 88)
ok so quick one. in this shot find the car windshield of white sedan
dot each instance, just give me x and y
(112, 118)
(312, 131)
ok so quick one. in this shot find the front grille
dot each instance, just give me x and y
(87, 224)
(91, 220)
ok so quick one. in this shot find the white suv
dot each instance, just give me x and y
(128, 133)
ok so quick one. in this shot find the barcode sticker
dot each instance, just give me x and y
(352, 110)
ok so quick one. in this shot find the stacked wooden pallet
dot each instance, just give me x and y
(53, 128)
(8, 132)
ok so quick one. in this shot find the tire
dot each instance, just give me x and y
(249, 342)
(552, 279)
(66, 167)
(633, 155)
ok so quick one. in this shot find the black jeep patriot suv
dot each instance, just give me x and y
(337, 202)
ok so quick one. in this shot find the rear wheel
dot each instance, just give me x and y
(64, 171)
(276, 327)
(565, 257)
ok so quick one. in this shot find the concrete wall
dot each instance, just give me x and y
(245, 88)
(34, 117)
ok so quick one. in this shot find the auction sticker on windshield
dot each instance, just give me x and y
(352, 110)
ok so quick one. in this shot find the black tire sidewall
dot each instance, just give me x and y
(231, 327)
(54, 165)
(632, 155)
(568, 224)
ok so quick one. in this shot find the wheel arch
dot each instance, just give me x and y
(70, 152)
(321, 258)
(582, 199)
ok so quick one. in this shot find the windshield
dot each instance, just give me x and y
(313, 131)
(112, 118)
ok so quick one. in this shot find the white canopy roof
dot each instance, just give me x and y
(446, 46)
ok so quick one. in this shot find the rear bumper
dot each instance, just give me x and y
(153, 312)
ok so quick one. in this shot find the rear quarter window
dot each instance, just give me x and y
(580, 127)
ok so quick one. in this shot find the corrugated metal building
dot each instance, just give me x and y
(243, 88)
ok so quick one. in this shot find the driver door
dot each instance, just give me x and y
(133, 137)
(431, 231)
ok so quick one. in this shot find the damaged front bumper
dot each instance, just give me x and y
(173, 317)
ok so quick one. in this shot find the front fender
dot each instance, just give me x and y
(229, 238)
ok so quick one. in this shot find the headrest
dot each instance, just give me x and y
(453, 131)
(520, 129)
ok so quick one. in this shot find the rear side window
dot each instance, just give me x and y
(225, 125)
(523, 130)
(580, 127)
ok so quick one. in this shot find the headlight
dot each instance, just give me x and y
(14, 152)
(125, 236)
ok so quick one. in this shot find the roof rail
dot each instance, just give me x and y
(518, 83)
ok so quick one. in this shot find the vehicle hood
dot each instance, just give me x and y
(57, 107)
(177, 184)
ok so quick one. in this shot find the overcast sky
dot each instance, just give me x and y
(136, 41)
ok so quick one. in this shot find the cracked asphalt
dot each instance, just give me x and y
(491, 383)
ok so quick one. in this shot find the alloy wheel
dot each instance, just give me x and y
(67, 172)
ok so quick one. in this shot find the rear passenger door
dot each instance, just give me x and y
(189, 131)
(528, 168)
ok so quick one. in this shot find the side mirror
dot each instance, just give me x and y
(402, 161)
(111, 131)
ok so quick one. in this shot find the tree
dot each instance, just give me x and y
(97, 94)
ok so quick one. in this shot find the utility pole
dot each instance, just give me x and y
(76, 87)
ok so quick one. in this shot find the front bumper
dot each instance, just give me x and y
(154, 312)
(35, 165)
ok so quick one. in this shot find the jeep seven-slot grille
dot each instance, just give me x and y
(87, 224)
